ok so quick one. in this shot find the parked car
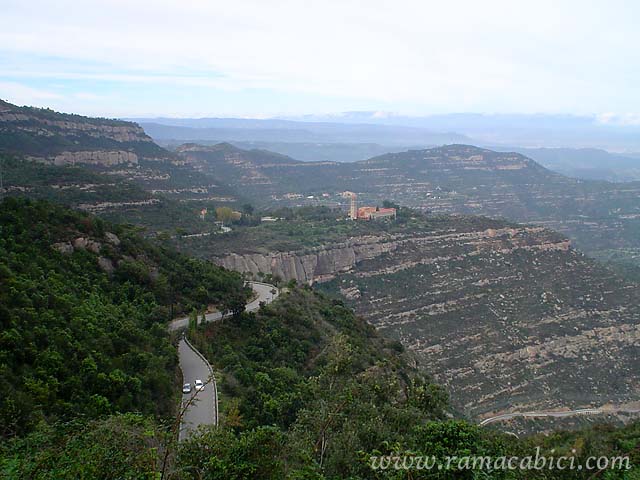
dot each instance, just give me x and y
(186, 388)
(199, 385)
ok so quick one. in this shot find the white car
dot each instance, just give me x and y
(199, 385)
(186, 388)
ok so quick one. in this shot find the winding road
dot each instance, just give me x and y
(263, 290)
(558, 414)
(202, 406)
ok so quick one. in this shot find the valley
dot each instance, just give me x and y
(507, 317)
(319, 240)
(488, 306)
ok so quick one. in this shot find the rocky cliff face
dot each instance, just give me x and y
(318, 264)
(324, 263)
(64, 139)
(508, 318)
(99, 157)
(36, 124)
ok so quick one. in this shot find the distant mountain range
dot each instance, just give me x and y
(275, 130)
(572, 145)
(537, 130)
(585, 163)
(522, 130)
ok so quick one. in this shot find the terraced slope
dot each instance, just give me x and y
(66, 139)
(103, 166)
(262, 175)
(600, 217)
(465, 179)
(508, 317)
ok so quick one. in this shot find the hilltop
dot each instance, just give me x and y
(69, 139)
(600, 217)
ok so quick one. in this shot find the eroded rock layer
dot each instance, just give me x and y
(507, 318)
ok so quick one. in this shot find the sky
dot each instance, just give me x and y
(264, 58)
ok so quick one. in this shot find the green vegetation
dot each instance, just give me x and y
(309, 391)
(276, 361)
(93, 190)
(308, 227)
(68, 185)
(83, 312)
(45, 132)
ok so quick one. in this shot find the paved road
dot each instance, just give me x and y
(557, 414)
(203, 408)
(264, 295)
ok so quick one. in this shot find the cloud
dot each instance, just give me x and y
(25, 95)
(619, 120)
(426, 56)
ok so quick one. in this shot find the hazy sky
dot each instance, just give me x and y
(268, 57)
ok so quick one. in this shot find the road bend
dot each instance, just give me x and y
(202, 406)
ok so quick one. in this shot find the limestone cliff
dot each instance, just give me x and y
(99, 157)
(324, 263)
(65, 139)
(507, 318)
(308, 267)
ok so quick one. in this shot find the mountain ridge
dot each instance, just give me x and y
(67, 139)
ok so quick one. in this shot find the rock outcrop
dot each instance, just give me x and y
(316, 265)
(324, 263)
(98, 157)
(65, 139)
(507, 318)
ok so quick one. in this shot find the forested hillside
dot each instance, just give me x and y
(68, 138)
(104, 166)
(308, 391)
(83, 312)
(158, 196)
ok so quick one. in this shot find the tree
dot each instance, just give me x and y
(193, 320)
(224, 214)
(390, 204)
(247, 209)
(235, 304)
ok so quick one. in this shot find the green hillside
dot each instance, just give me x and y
(108, 167)
(160, 197)
(83, 309)
(42, 132)
(308, 391)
